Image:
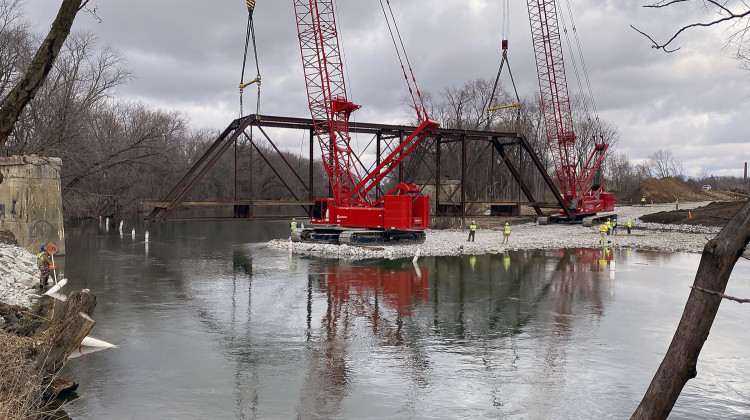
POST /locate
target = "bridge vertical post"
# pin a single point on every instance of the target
(463, 178)
(312, 172)
(251, 189)
(378, 138)
(437, 175)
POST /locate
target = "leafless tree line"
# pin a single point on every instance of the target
(117, 152)
(465, 107)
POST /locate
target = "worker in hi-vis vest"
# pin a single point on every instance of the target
(45, 266)
(609, 226)
(643, 200)
(506, 234)
(293, 225)
(629, 226)
(472, 230)
(602, 232)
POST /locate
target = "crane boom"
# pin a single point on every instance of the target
(558, 118)
(398, 212)
(326, 92)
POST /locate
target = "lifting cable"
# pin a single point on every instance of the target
(588, 98)
(419, 105)
(250, 35)
(517, 104)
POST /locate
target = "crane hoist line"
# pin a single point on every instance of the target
(351, 215)
(250, 36)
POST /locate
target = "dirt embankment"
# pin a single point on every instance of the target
(715, 214)
(668, 190)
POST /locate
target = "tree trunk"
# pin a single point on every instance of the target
(71, 323)
(23, 92)
(679, 365)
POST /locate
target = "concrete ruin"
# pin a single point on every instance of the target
(31, 201)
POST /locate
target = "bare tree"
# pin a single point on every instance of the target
(83, 77)
(14, 43)
(719, 255)
(733, 12)
(663, 164)
(680, 363)
(13, 104)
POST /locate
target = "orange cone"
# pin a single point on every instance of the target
(690, 216)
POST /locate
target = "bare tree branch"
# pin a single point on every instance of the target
(29, 84)
(721, 295)
(722, 9)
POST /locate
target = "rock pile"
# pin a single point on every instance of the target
(645, 236)
(19, 275)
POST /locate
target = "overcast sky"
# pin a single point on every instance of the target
(187, 56)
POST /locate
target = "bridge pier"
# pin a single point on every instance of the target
(31, 201)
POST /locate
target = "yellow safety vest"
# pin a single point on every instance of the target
(629, 224)
(507, 230)
(609, 224)
(472, 227)
(643, 199)
(294, 225)
(603, 228)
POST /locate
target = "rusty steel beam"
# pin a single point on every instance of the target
(283, 158)
(199, 203)
(370, 128)
(381, 132)
(550, 184)
(517, 176)
(257, 149)
(206, 162)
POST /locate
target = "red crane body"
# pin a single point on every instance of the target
(351, 205)
(558, 119)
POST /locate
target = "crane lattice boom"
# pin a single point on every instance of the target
(398, 212)
(558, 118)
(326, 91)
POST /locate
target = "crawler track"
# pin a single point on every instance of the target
(336, 235)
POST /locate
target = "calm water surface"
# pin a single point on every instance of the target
(213, 325)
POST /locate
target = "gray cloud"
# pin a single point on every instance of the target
(187, 56)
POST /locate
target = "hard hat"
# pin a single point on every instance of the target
(506, 223)
(42, 248)
(294, 218)
(473, 221)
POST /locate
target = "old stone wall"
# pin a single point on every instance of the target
(31, 201)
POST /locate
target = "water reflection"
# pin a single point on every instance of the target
(371, 299)
(215, 327)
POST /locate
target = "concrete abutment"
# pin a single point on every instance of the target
(31, 201)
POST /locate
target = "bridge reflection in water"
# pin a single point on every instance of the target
(214, 326)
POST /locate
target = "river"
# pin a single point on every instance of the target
(211, 324)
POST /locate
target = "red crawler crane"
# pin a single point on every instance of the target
(581, 198)
(351, 215)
